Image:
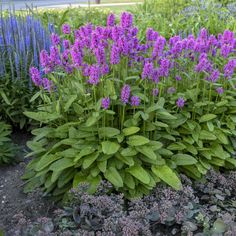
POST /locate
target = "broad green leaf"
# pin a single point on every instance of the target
(108, 132)
(79, 178)
(137, 140)
(164, 115)
(139, 173)
(113, 176)
(155, 145)
(102, 165)
(130, 130)
(61, 164)
(125, 159)
(206, 135)
(147, 151)
(65, 177)
(176, 146)
(45, 161)
(207, 117)
(110, 147)
(128, 152)
(42, 116)
(84, 152)
(88, 160)
(68, 104)
(166, 174)
(183, 159)
(129, 181)
(91, 121)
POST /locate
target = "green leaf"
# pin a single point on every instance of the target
(206, 135)
(130, 130)
(42, 116)
(5, 98)
(139, 173)
(88, 160)
(164, 115)
(102, 165)
(147, 151)
(84, 152)
(137, 140)
(110, 147)
(183, 159)
(166, 174)
(79, 178)
(45, 161)
(129, 181)
(176, 146)
(61, 164)
(113, 176)
(207, 117)
(91, 121)
(68, 104)
(108, 132)
(128, 152)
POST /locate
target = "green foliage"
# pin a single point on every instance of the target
(7, 149)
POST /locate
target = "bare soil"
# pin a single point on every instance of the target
(13, 202)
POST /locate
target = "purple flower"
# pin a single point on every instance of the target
(111, 20)
(220, 90)
(76, 57)
(55, 39)
(158, 47)
(151, 35)
(225, 50)
(164, 67)
(126, 20)
(155, 92)
(125, 94)
(100, 55)
(105, 103)
(94, 74)
(44, 58)
(135, 101)
(105, 69)
(171, 90)
(35, 76)
(47, 84)
(54, 56)
(66, 29)
(66, 44)
(214, 76)
(180, 102)
(147, 70)
(178, 78)
(229, 68)
(115, 55)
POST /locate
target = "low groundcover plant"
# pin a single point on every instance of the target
(129, 112)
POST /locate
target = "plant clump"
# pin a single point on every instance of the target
(129, 112)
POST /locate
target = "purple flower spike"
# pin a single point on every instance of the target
(111, 20)
(47, 84)
(214, 76)
(126, 20)
(44, 58)
(105, 103)
(220, 90)
(135, 101)
(125, 94)
(180, 102)
(147, 70)
(155, 92)
(35, 76)
(55, 39)
(178, 78)
(94, 74)
(66, 44)
(66, 29)
(171, 90)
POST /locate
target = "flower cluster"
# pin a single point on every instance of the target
(97, 51)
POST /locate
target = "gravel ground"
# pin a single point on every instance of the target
(12, 199)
